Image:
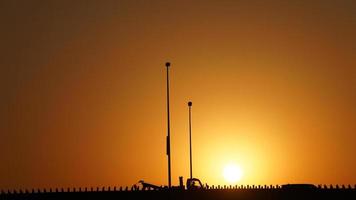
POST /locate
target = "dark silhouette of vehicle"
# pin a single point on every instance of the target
(194, 184)
(149, 186)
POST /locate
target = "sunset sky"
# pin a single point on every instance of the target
(82, 103)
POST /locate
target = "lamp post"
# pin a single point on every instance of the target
(190, 138)
(168, 129)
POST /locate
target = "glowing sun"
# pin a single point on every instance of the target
(232, 173)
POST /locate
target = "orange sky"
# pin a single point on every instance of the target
(273, 86)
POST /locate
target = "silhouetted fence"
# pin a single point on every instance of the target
(134, 188)
(225, 192)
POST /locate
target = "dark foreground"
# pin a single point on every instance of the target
(223, 194)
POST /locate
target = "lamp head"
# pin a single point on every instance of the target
(168, 64)
(190, 103)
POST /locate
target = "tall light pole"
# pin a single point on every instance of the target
(168, 129)
(190, 138)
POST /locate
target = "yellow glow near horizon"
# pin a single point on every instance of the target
(232, 173)
(84, 103)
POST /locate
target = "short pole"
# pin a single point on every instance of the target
(190, 138)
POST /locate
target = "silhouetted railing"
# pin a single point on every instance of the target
(137, 189)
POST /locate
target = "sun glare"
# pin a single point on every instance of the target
(232, 173)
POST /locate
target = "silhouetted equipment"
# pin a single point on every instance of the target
(168, 129)
(181, 184)
(149, 186)
(298, 186)
(194, 184)
(190, 138)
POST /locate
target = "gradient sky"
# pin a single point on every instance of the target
(82, 83)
